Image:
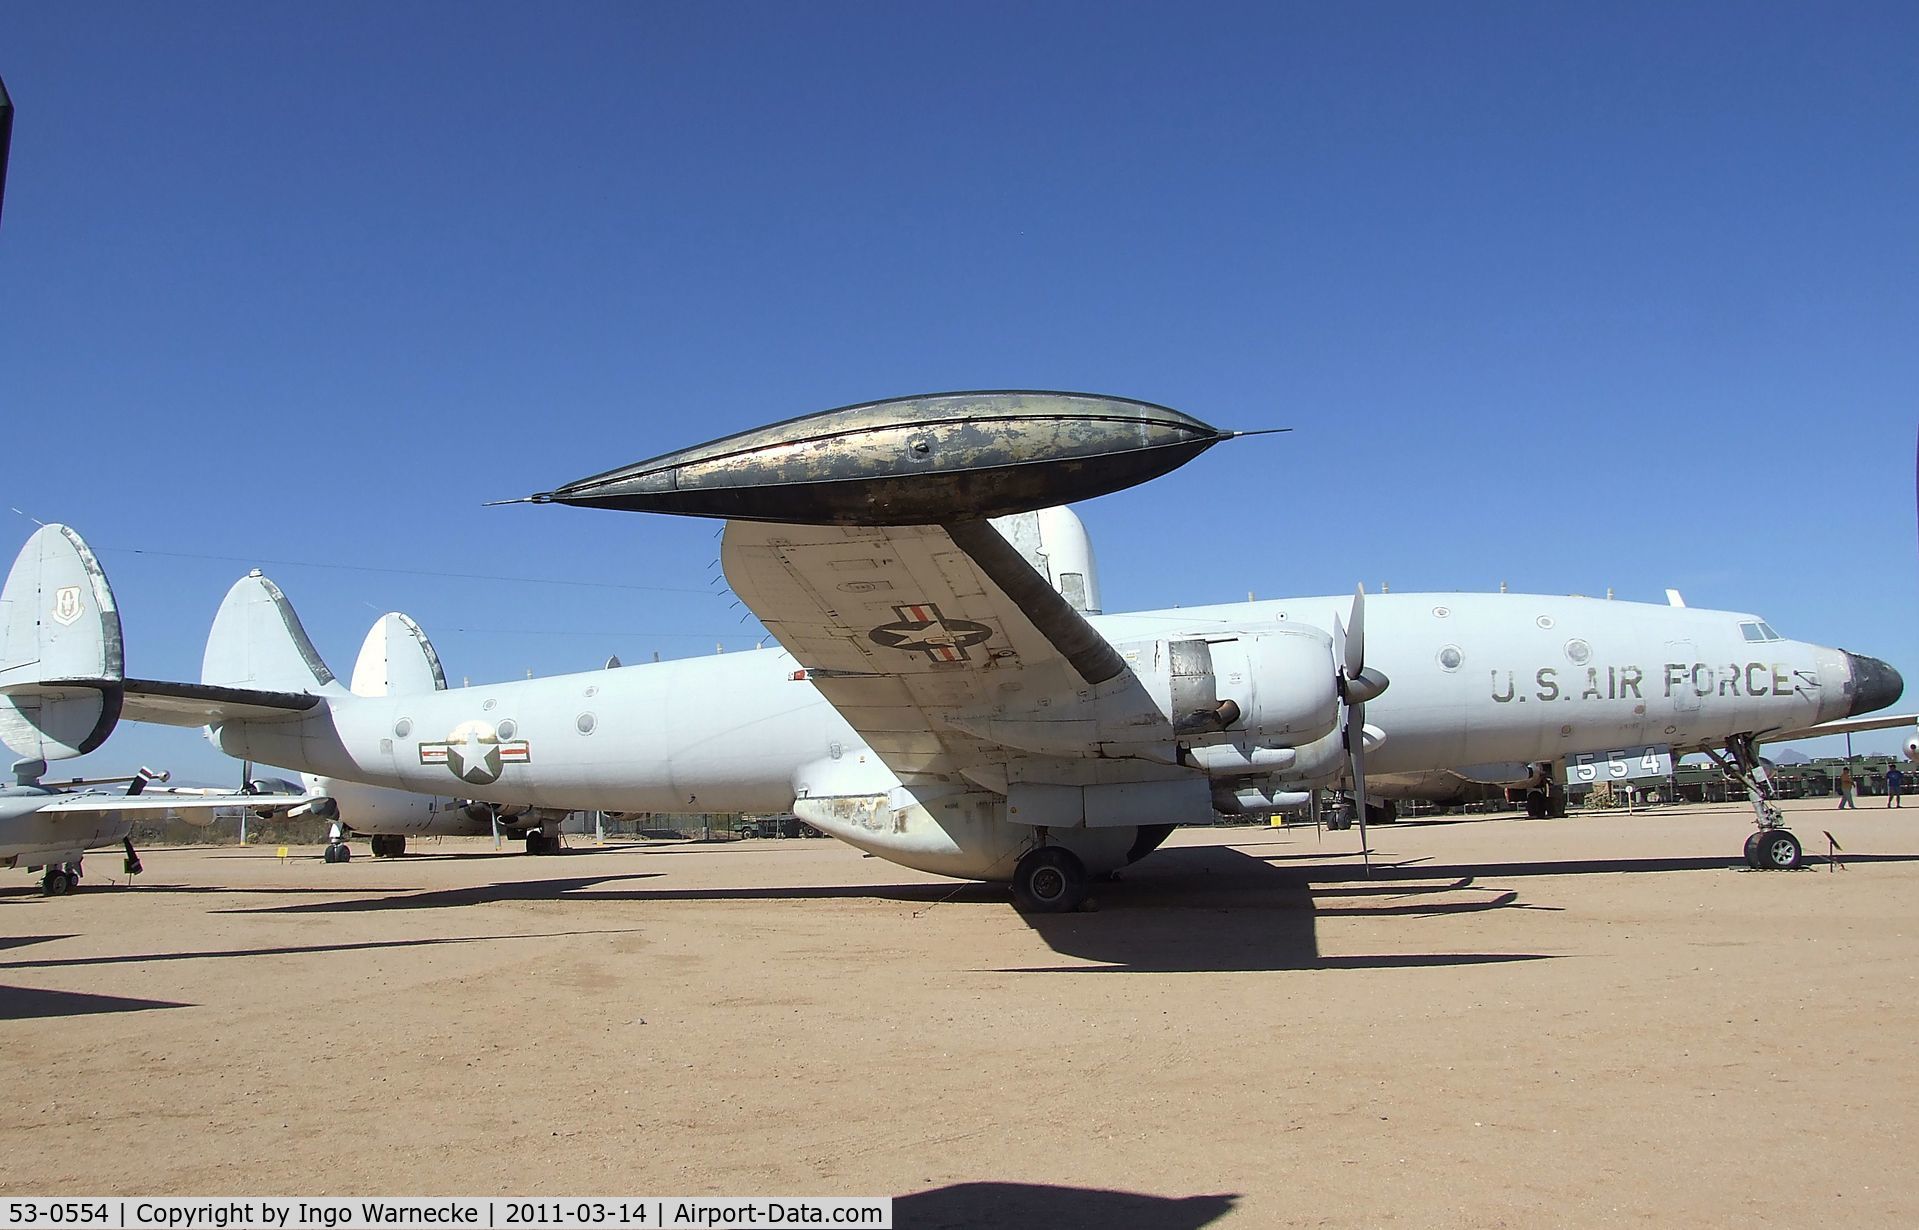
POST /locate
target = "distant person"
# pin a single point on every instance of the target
(1895, 781)
(1846, 789)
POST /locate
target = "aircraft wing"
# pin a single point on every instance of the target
(931, 640)
(1840, 726)
(159, 802)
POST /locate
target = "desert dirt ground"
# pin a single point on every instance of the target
(1604, 1020)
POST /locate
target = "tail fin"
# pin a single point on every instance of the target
(257, 642)
(61, 661)
(396, 659)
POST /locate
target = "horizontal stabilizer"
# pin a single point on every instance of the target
(396, 659)
(60, 652)
(200, 704)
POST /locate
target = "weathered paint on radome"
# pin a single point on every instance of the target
(911, 461)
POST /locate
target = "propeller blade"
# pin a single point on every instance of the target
(1356, 753)
(1354, 655)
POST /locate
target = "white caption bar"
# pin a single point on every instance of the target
(483, 1213)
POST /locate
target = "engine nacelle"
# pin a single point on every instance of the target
(1265, 689)
(1912, 748)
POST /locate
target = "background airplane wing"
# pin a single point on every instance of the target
(158, 802)
(923, 637)
(1842, 726)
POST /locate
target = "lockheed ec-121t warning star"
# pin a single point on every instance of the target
(939, 700)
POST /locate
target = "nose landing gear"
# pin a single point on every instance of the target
(1772, 847)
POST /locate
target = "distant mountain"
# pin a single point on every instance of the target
(1789, 755)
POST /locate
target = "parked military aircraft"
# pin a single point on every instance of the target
(935, 701)
(50, 828)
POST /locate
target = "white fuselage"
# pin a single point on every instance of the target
(1476, 679)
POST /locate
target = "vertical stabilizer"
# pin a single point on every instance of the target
(61, 660)
(1055, 543)
(396, 659)
(257, 642)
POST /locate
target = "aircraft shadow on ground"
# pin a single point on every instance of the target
(964, 1206)
(1416, 869)
(559, 887)
(30, 1003)
(21, 941)
(1216, 908)
(294, 950)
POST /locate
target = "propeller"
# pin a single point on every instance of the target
(1357, 684)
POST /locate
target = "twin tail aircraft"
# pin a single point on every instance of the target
(944, 696)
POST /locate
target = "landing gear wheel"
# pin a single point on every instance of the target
(1049, 880)
(55, 883)
(1536, 805)
(535, 842)
(337, 852)
(1779, 851)
(1752, 849)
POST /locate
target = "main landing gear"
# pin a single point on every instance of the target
(388, 845)
(1049, 880)
(59, 879)
(1772, 847)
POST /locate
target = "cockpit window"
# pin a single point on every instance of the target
(1758, 630)
(1770, 634)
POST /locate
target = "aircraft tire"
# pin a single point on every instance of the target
(53, 883)
(1049, 880)
(1536, 806)
(1780, 851)
(396, 845)
(535, 842)
(1752, 849)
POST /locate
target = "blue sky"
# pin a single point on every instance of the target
(1563, 296)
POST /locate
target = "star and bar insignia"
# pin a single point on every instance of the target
(475, 753)
(922, 628)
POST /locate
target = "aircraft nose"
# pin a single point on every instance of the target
(1875, 684)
